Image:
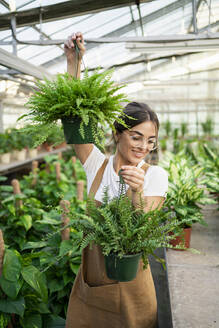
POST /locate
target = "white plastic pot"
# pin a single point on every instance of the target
(5, 158)
(32, 153)
(21, 155)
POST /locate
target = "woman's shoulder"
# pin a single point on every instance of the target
(94, 160)
(157, 170)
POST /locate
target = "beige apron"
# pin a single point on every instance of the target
(98, 302)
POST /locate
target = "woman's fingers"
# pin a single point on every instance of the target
(133, 176)
(132, 171)
(69, 44)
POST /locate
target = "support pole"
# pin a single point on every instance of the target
(14, 42)
(34, 171)
(58, 172)
(194, 8)
(73, 166)
(17, 191)
(140, 18)
(2, 251)
(47, 168)
(65, 233)
(80, 190)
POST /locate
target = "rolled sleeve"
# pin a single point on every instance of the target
(156, 182)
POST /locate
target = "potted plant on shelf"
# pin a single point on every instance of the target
(186, 195)
(125, 234)
(18, 145)
(82, 105)
(5, 149)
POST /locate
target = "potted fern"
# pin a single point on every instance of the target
(82, 105)
(125, 234)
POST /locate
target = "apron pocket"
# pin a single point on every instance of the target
(105, 297)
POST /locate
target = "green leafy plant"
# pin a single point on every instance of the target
(207, 157)
(5, 143)
(167, 128)
(59, 261)
(208, 126)
(17, 140)
(23, 292)
(183, 129)
(121, 229)
(48, 189)
(186, 194)
(93, 99)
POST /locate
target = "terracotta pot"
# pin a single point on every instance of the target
(47, 147)
(183, 239)
(61, 145)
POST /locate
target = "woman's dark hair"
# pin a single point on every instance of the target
(140, 113)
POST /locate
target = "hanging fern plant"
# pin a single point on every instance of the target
(92, 102)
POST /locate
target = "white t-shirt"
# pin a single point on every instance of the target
(155, 182)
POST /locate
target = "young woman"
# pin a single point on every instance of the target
(97, 301)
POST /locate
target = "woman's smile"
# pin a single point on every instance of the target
(139, 154)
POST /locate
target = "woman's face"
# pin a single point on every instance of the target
(134, 144)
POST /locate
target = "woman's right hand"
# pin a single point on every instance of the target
(69, 46)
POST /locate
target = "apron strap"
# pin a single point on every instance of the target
(98, 178)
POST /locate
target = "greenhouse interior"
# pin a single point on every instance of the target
(104, 223)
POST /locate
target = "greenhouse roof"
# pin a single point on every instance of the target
(152, 32)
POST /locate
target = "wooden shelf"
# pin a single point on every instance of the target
(18, 165)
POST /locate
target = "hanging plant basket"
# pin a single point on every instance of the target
(72, 134)
(122, 269)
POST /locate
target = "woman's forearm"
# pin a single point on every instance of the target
(74, 66)
(138, 199)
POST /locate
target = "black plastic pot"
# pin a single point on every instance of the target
(71, 128)
(122, 269)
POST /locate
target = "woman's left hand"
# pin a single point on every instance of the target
(134, 177)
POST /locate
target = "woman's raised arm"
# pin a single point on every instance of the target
(74, 68)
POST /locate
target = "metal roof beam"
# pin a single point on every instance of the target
(183, 47)
(62, 10)
(131, 26)
(4, 3)
(9, 60)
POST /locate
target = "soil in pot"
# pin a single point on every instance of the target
(122, 269)
(183, 239)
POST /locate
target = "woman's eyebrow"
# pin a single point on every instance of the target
(141, 134)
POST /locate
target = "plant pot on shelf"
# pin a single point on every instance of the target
(20, 155)
(72, 134)
(61, 145)
(47, 147)
(32, 153)
(183, 239)
(122, 269)
(5, 158)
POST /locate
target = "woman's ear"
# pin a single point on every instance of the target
(116, 136)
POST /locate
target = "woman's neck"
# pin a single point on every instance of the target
(118, 161)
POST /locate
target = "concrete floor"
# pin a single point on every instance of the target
(194, 278)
